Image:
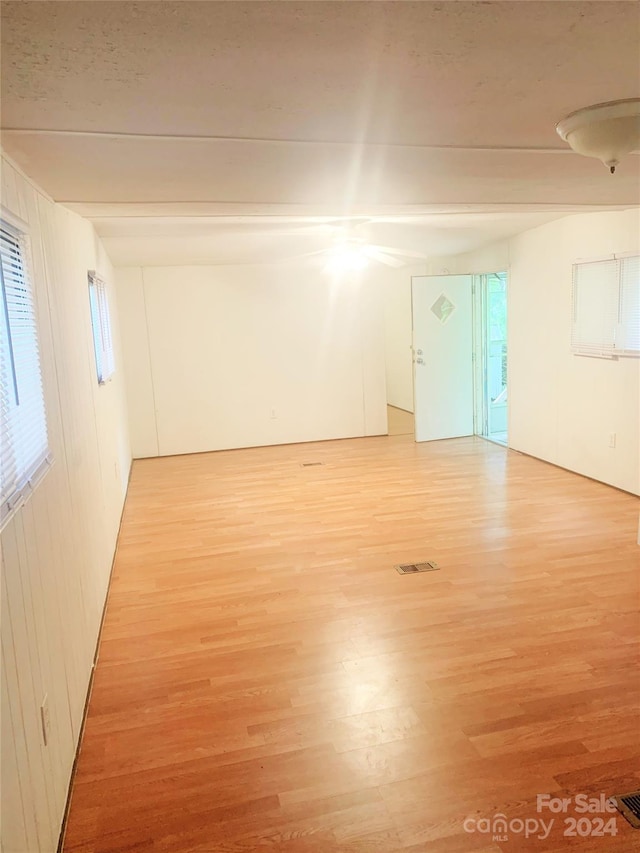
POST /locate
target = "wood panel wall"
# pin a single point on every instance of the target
(58, 548)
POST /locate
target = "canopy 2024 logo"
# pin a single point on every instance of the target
(592, 820)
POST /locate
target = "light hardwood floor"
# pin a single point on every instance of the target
(267, 681)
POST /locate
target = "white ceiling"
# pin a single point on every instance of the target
(137, 113)
(151, 241)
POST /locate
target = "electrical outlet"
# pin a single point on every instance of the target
(273, 414)
(612, 439)
(45, 720)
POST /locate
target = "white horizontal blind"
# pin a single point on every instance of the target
(24, 451)
(628, 342)
(595, 308)
(101, 326)
(606, 307)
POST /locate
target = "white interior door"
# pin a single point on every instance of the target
(442, 355)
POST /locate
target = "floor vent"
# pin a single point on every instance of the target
(311, 464)
(629, 806)
(413, 568)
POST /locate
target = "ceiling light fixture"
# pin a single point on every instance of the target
(606, 131)
(346, 258)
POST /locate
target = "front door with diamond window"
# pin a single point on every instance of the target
(442, 355)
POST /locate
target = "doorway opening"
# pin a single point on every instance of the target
(490, 356)
(398, 353)
(399, 421)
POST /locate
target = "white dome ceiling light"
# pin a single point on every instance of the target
(606, 131)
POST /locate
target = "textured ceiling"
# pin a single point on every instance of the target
(425, 73)
(315, 107)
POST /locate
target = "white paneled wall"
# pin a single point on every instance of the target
(221, 357)
(58, 548)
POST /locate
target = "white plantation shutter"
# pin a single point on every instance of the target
(24, 451)
(101, 325)
(606, 307)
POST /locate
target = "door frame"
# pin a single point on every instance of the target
(480, 354)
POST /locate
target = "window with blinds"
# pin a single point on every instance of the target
(24, 449)
(606, 308)
(101, 325)
(629, 320)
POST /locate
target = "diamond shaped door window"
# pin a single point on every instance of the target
(443, 308)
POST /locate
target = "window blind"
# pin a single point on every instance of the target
(24, 451)
(606, 307)
(629, 325)
(101, 326)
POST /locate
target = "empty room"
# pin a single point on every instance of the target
(320, 426)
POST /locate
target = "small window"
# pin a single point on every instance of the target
(24, 449)
(606, 308)
(101, 324)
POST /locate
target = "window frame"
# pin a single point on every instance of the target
(26, 478)
(616, 317)
(101, 333)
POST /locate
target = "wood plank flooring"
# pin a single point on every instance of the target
(267, 681)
